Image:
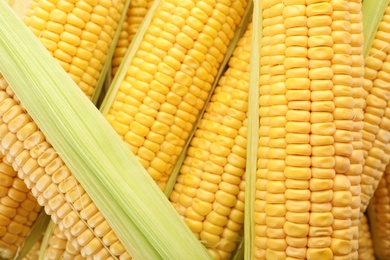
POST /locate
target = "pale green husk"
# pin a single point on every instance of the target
(373, 11)
(35, 234)
(46, 240)
(253, 130)
(138, 212)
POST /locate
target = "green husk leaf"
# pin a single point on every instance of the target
(373, 11)
(253, 130)
(239, 252)
(46, 239)
(35, 234)
(138, 212)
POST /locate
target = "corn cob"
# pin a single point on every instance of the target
(376, 126)
(304, 197)
(366, 248)
(78, 34)
(344, 114)
(276, 106)
(154, 107)
(355, 128)
(18, 211)
(209, 192)
(134, 16)
(356, 158)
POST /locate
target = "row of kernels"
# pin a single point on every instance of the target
(298, 149)
(275, 201)
(222, 227)
(357, 72)
(260, 229)
(320, 73)
(228, 192)
(344, 116)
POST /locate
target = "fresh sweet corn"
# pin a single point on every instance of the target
(209, 192)
(304, 200)
(356, 158)
(78, 34)
(169, 79)
(134, 17)
(116, 180)
(310, 148)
